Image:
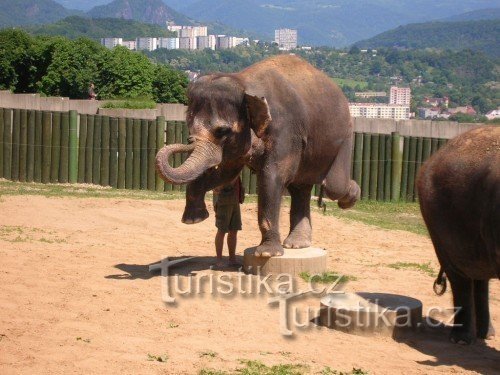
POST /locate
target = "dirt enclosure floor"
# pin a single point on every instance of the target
(76, 296)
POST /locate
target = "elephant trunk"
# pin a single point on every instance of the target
(203, 155)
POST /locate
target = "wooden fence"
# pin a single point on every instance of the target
(64, 147)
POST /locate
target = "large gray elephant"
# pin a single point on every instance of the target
(459, 194)
(284, 119)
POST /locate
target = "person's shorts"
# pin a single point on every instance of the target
(228, 217)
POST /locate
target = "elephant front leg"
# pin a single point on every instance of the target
(338, 184)
(270, 191)
(300, 217)
(484, 328)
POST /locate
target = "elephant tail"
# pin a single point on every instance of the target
(440, 283)
(321, 204)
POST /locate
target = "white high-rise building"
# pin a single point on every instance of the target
(146, 44)
(286, 39)
(111, 42)
(187, 43)
(377, 110)
(400, 95)
(168, 43)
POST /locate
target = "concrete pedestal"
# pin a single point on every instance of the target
(292, 262)
(369, 313)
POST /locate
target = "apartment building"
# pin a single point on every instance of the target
(286, 39)
(168, 43)
(400, 95)
(204, 42)
(111, 42)
(146, 44)
(187, 43)
(376, 110)
(130, 44)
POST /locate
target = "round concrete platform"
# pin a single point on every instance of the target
(368, 313)
(292, 262)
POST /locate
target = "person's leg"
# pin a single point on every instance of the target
(232, 238)
(219, 245)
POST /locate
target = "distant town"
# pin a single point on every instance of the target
(197, 38)
(398, 106)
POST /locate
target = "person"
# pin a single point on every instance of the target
(227, 199)
(92, 94)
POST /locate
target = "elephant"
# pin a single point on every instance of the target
(285, 120)
(459, 195)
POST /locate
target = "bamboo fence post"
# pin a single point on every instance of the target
(136, 182)
(412, 166)
(89, 153)
(96, 158)
(38, 147)
(113, 153)
(374, 166)
(365, 183)
(30, 158)
(122, 152)
(388, 168)
(73, 147)
(105, 138)
(55, 154)
(129, 157)
(151, 152)
(46, 146)
(358, 158)
(144, 154)
(82, 147)
(16, 135)
(396, 166)
(404, 172)
(1, 141)
(381, 168)
(23, 146)
(160, 142)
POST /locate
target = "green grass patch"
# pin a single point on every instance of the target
(130, 104)
(81, 191)
(351, 83)
(423, 267)
(387, 215)
(259, 368)
(326, 277)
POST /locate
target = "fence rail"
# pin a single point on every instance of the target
(62, 147)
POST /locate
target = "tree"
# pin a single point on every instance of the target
(169, 86)
(16, 62)
(125, 74)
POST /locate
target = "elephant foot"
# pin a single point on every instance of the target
(296, 240)
(352, 196)
(194, 216)
(269, 249)
(488, 335)
(461, 337)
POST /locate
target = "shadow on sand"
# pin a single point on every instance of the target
(197, 264)
(433, 341)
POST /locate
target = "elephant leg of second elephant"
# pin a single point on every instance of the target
(338, 185)
(484, 328)
(463, 325)
(270, 191)
(300, 217)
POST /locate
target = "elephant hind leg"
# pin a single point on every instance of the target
(338, 184)
(484, 328)
(300, 217)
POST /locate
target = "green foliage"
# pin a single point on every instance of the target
(131, 104)
(326, 277)
(480, 35)
(169, 86)
(76, 27)
(56, 66)
(125, 75)
(423, 267)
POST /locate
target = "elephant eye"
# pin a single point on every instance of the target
(222, 131)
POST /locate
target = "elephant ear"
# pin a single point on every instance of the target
(258, 114)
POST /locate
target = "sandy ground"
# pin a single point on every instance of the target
(76, 296)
